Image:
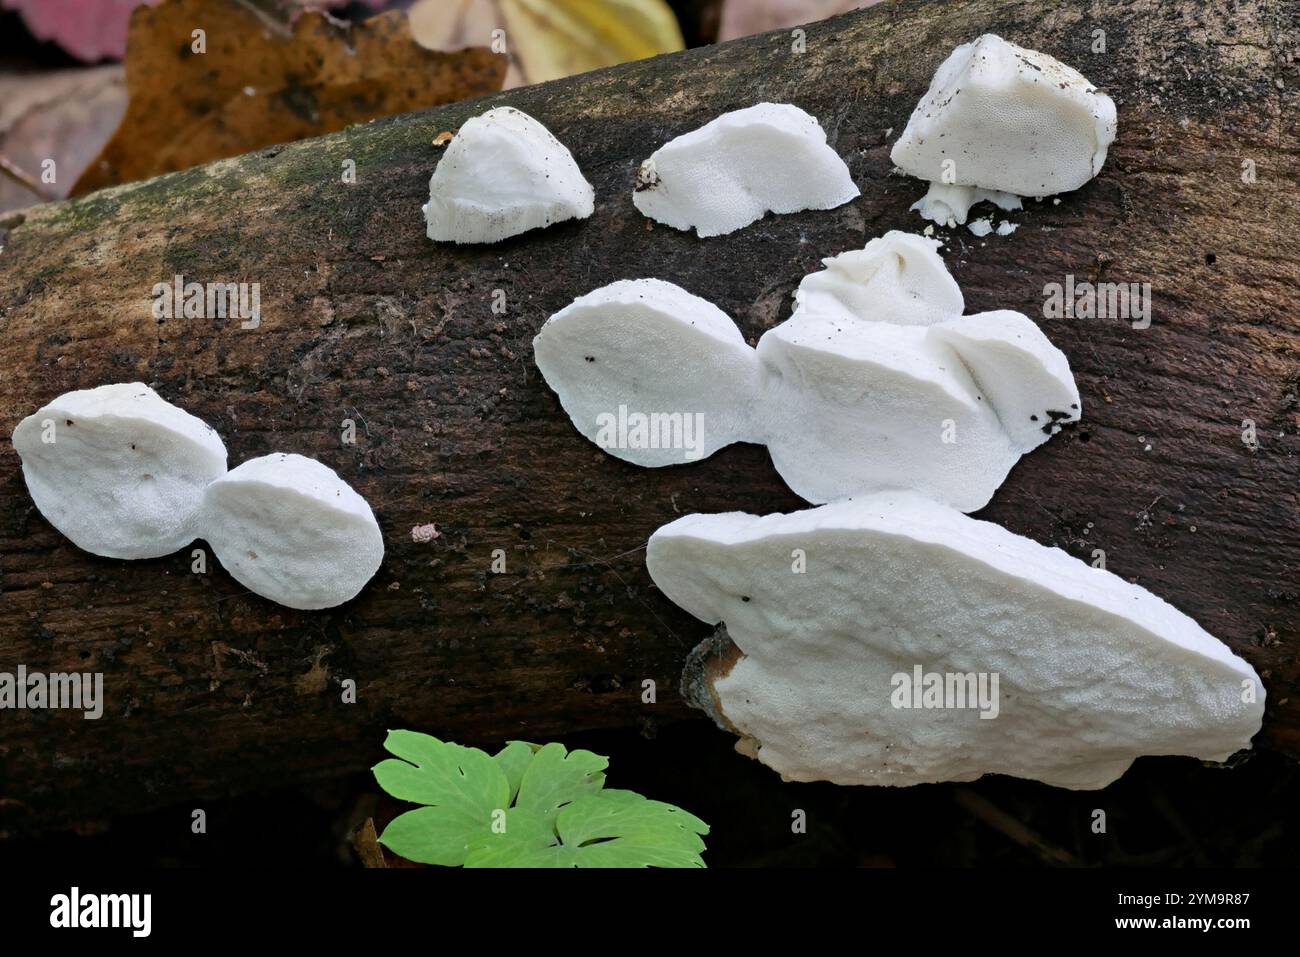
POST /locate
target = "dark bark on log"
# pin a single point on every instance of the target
(212, 690)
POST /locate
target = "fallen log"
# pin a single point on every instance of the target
(211, 690)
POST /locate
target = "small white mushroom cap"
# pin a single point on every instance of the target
(504, 174)
(118, 469)
(876, 381)
(654, 349)
(289, 529)
(729, 173)
(1091, 671)
(1008, 119)
(897, 278)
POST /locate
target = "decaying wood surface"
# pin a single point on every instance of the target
(211, 690)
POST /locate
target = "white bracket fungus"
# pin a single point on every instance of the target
(504, 174)
(650, 348)
(125, 474)
(119, 470)
(919, 645)
(289, 529)
(1000, 122)
(876, 381)
(729, 173)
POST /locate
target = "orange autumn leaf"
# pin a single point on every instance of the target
(209, 79)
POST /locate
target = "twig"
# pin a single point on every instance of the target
(20, 176)
(1009, 827)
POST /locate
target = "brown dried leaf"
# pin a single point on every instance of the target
(64, 116)
(366, 842)
(260, 83)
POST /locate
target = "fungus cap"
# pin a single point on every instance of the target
(1000, 122)
(647, 348)
(772, 157)
(1008, 119)
(504, 174)
(289, 529)
(897, 278)
(119, 470)
(1091, 670)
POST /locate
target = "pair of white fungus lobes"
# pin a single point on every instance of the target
(732, 171)
(835, 678)
(504, 174)
(876, 381)
(1000, 122)
(123, 473)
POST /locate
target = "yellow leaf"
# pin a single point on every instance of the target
(549, 39)
(555, 38)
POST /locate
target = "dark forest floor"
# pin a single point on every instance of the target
(1163, 812)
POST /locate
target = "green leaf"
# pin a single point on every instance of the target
(601, 829)
(514, 759)
(557, 776)
(431, 835)
(462, 786)
(527, 841)
(561, 814)
(624, 829)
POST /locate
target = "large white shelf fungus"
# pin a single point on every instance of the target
(118, 469)
(876, 381)
(1091, 671)
(729, 173)
(289, 529)
(504, 174)
(1000, 122)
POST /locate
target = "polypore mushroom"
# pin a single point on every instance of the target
(504, 174)
(119, 470)
(906, 391)
(289, 529)
(1000, 122)
(772, 157)
(891, 640)
(639, 364)
(876, 381)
